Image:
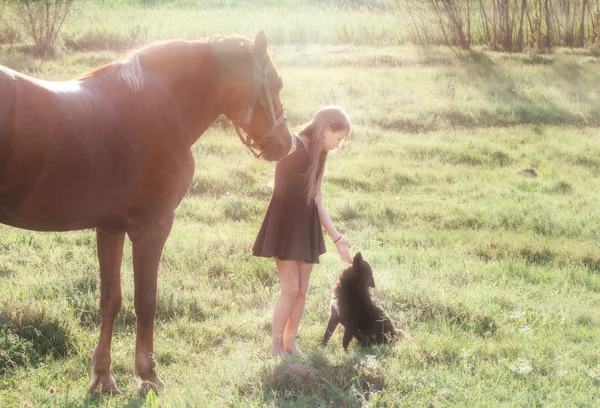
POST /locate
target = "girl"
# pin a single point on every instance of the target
(291, 231)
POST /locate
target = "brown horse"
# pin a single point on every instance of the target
(111, 151)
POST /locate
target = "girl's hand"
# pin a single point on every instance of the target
(343, 247)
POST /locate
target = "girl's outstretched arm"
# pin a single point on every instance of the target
(341, 243)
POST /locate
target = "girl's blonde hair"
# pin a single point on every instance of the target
(332, 117)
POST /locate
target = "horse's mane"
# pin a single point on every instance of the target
(228, 41)
(131, 71)
(101, 71)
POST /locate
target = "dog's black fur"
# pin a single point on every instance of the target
(352, 306)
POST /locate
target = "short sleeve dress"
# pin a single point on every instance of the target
(291, 229)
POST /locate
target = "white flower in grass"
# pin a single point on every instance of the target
(523, 367)
(561, 372)
(595, 375)
(517, 315)
(526, 330)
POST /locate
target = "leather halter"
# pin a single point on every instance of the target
(261, 74)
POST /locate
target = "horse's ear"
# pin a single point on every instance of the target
(260, 45)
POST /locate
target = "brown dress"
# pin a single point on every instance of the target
(291, 229)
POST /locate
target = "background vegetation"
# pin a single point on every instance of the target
(509, 25)
(470, 184)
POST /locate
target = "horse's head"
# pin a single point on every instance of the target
(252, 102)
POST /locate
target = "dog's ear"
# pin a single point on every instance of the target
(357, 259)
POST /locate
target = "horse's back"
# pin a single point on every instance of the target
(80, 153)
(53, 152)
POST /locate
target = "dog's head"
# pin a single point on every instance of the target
(361, 271)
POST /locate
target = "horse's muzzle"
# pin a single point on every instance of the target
(281, 145)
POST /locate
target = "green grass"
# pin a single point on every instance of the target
(492, 273)
(121, 24)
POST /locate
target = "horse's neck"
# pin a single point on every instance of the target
(188, 74)
(198, 100)
(194, 84)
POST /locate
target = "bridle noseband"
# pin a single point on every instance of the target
(261, 74)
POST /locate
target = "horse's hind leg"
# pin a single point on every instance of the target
(110, 254)
(148, 241)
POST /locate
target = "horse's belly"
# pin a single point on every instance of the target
(29, 222)
(52, 212)
(54, 198)
(81, 201)
(64, 186)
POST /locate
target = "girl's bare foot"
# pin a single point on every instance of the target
(277, 348)
(294, 351)
(279, 352)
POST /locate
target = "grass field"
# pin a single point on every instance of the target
(471, 184)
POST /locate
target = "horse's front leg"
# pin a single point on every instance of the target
(148, 242)
(110, 255)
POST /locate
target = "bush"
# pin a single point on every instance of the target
(504, 24)
(15, 352)
(43, 20)
(46, 334)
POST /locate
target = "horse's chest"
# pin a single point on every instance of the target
(168, 176)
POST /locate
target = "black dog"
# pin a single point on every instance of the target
(352, 306)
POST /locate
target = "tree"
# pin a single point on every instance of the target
(43, 20)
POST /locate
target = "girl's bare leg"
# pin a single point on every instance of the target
(289, 278)
(291, 328)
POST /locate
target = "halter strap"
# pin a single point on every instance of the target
(245, 115)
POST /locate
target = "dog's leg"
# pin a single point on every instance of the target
(334, 319)
(349, 332)
(389, 331)
(378, 331)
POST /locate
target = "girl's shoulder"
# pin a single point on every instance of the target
(303, 142)
(301, 151)
(302, 147)
(297, 160)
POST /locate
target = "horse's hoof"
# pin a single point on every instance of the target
(154, 383)
(105, 384)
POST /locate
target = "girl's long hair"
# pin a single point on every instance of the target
(332, 117)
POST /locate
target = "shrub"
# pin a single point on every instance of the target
(46, 334)
(43, 20)
(15, 352)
